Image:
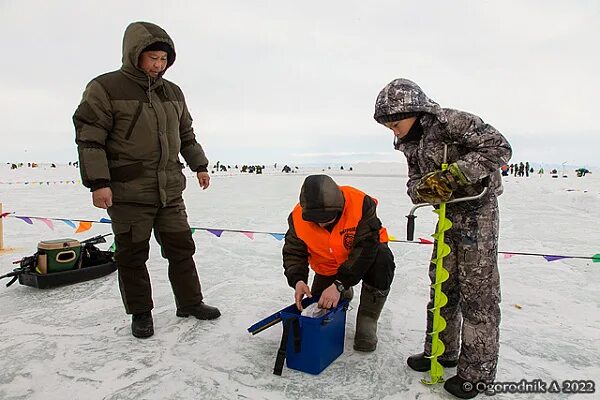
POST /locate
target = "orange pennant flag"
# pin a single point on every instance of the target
(83, 226)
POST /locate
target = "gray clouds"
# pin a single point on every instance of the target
(268, 80)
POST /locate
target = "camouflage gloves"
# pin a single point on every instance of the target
(437, 186)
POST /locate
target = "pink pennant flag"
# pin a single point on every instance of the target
(83, 226)
(47, 222)
(425, 241)
(250, 235)
(508, 255)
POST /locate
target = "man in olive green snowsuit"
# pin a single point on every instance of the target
(131, 126)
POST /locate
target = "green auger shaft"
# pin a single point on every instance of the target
(440, 299)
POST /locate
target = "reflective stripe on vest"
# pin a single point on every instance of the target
(327, 251)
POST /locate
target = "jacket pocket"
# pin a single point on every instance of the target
(126, 172)
(134, 120)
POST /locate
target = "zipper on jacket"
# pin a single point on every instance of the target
(136, 116)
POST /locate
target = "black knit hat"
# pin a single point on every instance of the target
(320, 198)
(383, 119)
(162, 46)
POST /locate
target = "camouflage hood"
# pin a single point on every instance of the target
(320, 198)
(137, 37)
(402, 96)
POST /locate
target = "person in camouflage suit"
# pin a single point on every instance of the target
(131, 126)
(474, 151)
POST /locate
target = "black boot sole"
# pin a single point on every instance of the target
(364, 348)
(425, 368)
(455, 386)
(143, 335)
(184, 314)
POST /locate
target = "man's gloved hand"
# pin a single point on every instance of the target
(437, 186)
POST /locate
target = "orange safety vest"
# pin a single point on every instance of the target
(327, 251)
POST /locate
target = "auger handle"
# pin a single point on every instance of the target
(410, 227)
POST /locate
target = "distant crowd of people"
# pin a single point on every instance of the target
(521, 169)
(37, 165)
(258, 169)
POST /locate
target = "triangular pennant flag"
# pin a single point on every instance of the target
(83, 226)
(193, 230)
(4, 214)
(68, 222)
(554, 258)
(596, 258)
(26, 219)
(278, 236)
(250, 235)
(508, 255)
(113, 247)
(216, 232)
(391, 237)
(47, 222)
(425, 241)
(105, 221)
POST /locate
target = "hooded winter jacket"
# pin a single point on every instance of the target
(130, 128)
(348, 249)
(478, 148)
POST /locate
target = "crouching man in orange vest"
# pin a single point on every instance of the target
(335, 230)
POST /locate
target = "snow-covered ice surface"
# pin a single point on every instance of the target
(74, 342)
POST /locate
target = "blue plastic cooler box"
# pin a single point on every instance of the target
(322, 339)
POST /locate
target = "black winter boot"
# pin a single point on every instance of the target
(457, 386)
(369, 310)
(141, 325)
(420, 363)
(200, 311)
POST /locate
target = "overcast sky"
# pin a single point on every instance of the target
(296, 81)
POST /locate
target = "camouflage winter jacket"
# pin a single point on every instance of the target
(130, 128)
(478, 148)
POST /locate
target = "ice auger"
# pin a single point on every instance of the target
(436, 371)
(439, 298)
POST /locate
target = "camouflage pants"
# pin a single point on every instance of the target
(132, 225)
(473, 291)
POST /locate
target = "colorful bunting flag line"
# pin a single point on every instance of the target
(69, 182)
(85, 225)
